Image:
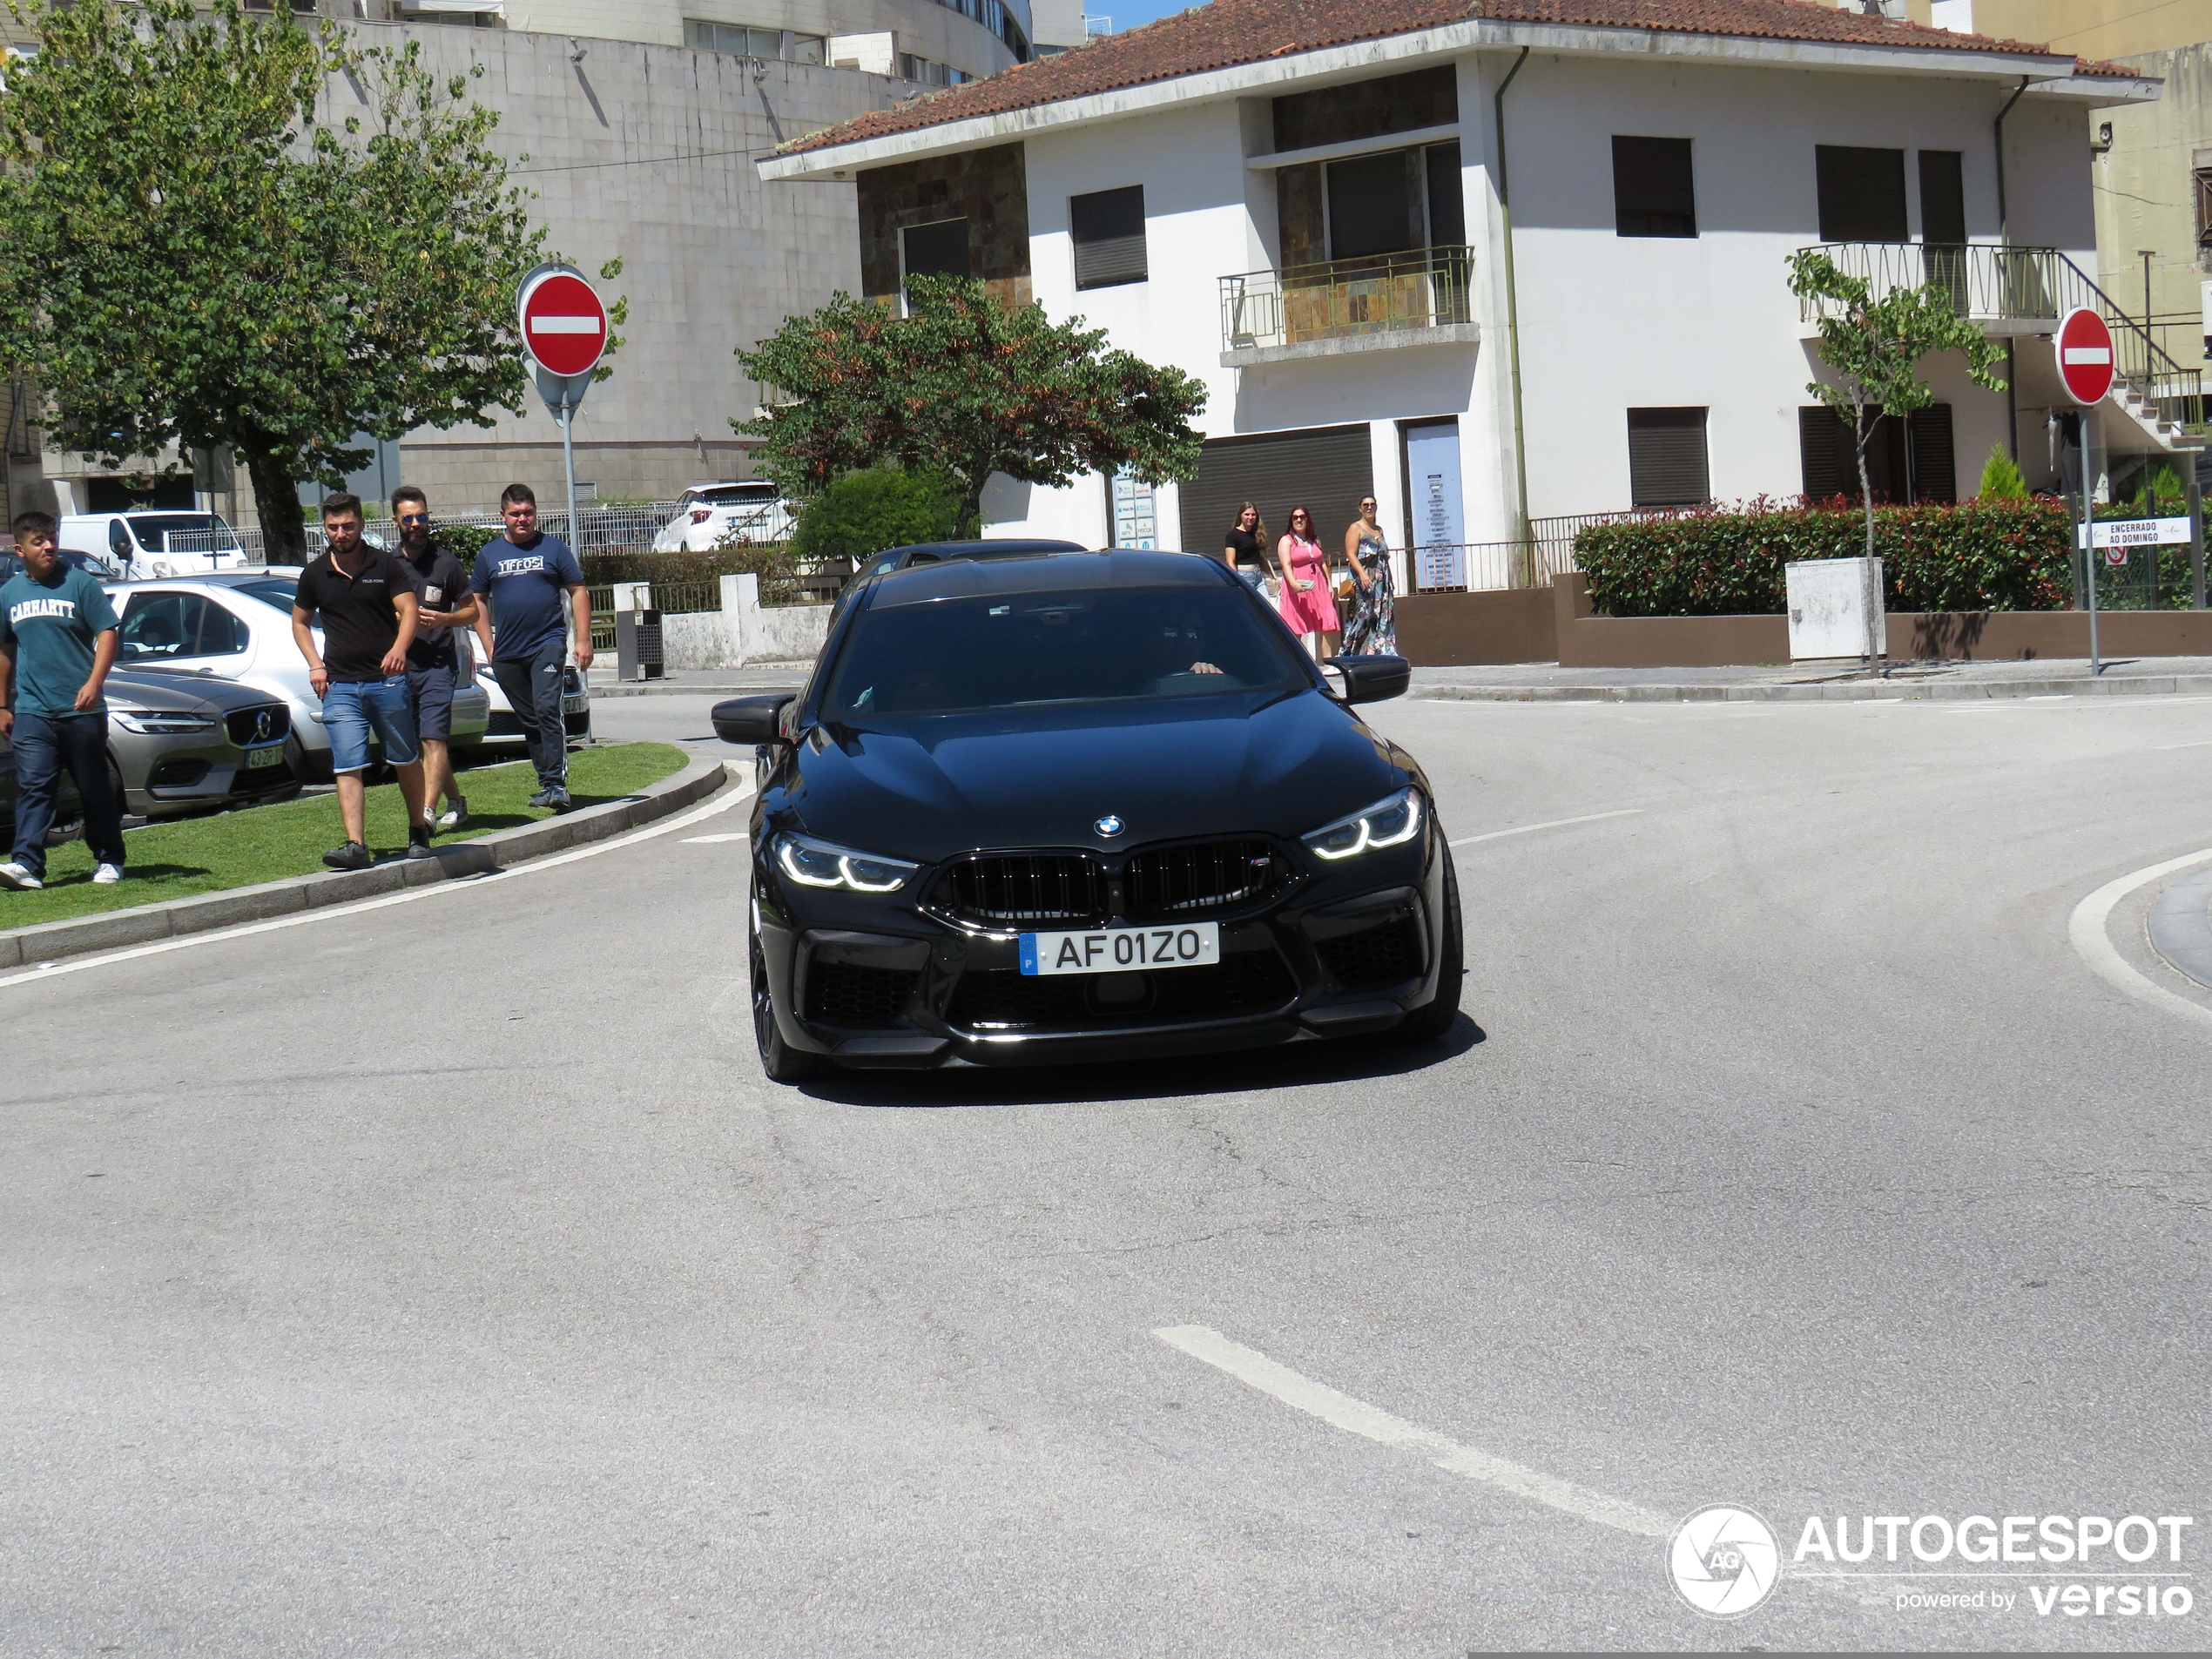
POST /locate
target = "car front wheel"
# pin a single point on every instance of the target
(782, 1064)
(1430, 1020)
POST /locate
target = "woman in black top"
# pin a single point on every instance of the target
(1245, 547)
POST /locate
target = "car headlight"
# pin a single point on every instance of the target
(1392, 821)
(154, 723)
(820, 864)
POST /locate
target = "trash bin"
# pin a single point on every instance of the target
(638, 655)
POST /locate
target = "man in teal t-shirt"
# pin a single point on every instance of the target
(58, 641)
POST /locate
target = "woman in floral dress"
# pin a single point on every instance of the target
(1373, 630)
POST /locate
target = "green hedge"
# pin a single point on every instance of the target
(1977, 556)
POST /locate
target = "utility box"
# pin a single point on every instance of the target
(1828, 608)
(638, 653)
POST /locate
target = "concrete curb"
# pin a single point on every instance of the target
(1850, 692)
(174, 918)
(793, 676)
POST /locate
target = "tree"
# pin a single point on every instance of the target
(1874, 347)
(2000, 477)
(860, 513)
(968, 383)
(188, 255)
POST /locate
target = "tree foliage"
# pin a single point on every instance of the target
(864, 512)
(968, 383)
(2001, 478)
(189, 255)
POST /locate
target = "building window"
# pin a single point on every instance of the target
(1914, 461)
(925, 71)
(1862, 193)
(1667, 461)
(1108, 227)
(2202, 191)
(1396, 201)
(744, 40)
(1652, 192)
(938, 249)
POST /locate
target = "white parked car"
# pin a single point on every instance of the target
(709, 515)
(238, 626)
(139, 545)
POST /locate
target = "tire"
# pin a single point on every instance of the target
(115, 783)
(782, 1064)
(1429, 1024)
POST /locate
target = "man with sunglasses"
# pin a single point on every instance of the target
(443, 603)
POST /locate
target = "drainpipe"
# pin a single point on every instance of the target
(2004, 239)
(1513, 314)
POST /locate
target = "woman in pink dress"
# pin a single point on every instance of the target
(1305, 600)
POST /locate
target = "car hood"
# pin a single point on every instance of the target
(180, 692)
(928, 788)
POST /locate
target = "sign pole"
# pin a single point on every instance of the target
(2196, 535)
(2089, 519)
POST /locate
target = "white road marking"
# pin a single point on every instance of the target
(2087, 929)
(1357, 1416)
(714, 840)
(1556, 823)
(2205, 744)
(721, 803)
(2049, 696)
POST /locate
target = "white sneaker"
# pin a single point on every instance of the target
(107, 875)
(13, 874)
(456, 814)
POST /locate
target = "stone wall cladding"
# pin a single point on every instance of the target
(989, 188)
(1428, 98)
(1297, 209)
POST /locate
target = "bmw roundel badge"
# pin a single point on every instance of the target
(1109, 826)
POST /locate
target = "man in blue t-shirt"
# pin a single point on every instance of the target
(57, 642)
(526, 575)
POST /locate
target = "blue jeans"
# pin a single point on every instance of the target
(44, 744)
(533, 688)
(350, 707)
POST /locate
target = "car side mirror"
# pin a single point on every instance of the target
(1367, 679)
(752, 719)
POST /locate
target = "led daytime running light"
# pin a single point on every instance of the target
(1408, 799)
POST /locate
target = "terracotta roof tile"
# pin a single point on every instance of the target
(1228, 32)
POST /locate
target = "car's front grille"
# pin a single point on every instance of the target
(502, 723)
(270, 723)
(1170, 882)
(852, 994)
(994, 889)
(1005, 999)
(1375, 956)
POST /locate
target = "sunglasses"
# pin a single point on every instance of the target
(414, 518)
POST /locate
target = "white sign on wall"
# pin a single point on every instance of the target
(2132, 532)
(1432, 469)
(1137, 519)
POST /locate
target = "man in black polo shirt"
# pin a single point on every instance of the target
(367, 603)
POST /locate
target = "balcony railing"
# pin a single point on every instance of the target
(2013, 289)
(1342, 299)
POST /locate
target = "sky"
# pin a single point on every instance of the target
(1127, 14)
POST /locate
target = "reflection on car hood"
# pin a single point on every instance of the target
(179, 692)
(928, 788)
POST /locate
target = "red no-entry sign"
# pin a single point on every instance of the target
(564, 327)
(2085, 355)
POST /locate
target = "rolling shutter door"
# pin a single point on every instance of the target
(1831, 468)
(1325, 469)
(1935, 464)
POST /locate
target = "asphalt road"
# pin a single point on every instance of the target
(443, 1278)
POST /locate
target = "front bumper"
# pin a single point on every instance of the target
(918, 992)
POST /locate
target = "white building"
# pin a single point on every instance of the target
(1305, 204)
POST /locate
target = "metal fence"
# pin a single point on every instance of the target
(1424, 289)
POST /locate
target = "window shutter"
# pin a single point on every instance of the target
(1653, 191)
(936, 250)
(1824, 445)
(1861, 192)
(1935, 465)
(1667, 460)
(1108, 229)
(1324, 469)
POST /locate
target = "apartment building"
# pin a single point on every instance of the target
(1521, 265)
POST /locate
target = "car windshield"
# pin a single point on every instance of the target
(1012, 651)
(270, 590)
(183, 533)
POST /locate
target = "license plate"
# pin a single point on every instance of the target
(272, 756)
(1122, 950)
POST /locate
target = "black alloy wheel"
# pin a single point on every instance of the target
(782, 1064)
(1430, 1022)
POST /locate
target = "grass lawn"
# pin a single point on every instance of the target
(178, 858)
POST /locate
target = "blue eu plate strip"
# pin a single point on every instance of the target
(1028, 953)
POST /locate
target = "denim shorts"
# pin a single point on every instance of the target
(350, 707)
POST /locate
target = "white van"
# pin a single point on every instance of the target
(141, 545)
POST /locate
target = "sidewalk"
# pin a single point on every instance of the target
(701, 682)
(1812, 683)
